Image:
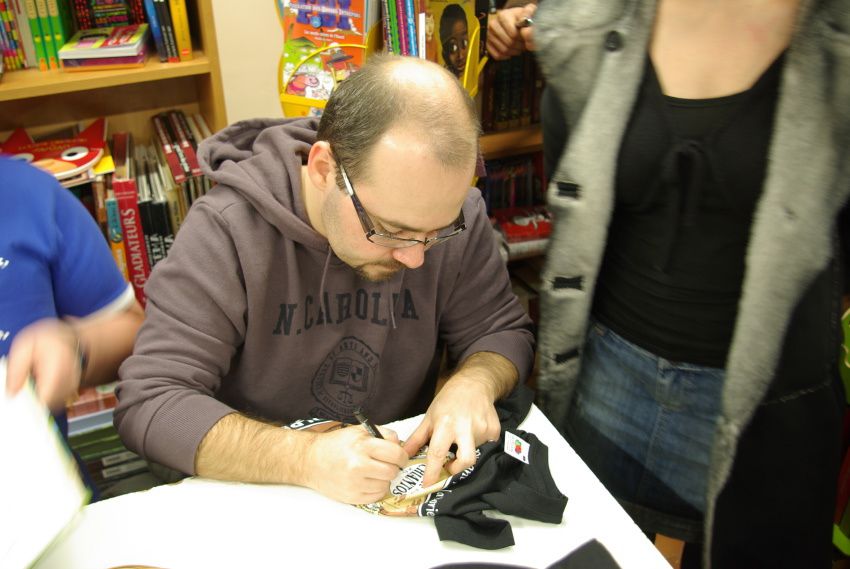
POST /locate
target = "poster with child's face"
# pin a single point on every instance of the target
(453, 21)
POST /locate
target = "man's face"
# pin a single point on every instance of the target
(408, 194)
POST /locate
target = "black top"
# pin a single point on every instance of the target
(690, 173)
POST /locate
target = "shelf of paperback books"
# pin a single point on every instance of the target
(512, 142)
(34, 83)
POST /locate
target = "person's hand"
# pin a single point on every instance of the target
(352, 466)
(462, 413)
(47, 350)
(504, 38)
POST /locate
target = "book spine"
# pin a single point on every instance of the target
(114, 234)
(161, 226)
(113, 459)
(421, 19)
(164, 17)
(59, 23)
(180, 24)
(10, 27)
(165, 143)
(392, 24)
(202, 126)
(6, 46)
(50, 49)
(131, 229)
(118, 470)
(412, 37)
(151, 244)
(401, 26)
(25, 32)
(137, 12)
(516, 87)
(386, 26)
(156, 30)
(37, 35)
(98, 188)
(182, 136)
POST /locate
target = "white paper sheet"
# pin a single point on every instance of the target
(40, 487)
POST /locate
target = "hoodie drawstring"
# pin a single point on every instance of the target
(390, 303)
(322, 283)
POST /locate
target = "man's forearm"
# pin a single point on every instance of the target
(246, 450)
(493, 370)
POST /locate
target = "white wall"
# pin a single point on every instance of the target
(250, 41)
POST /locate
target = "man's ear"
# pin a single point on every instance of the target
(321, 166)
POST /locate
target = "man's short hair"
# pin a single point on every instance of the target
(375, 99)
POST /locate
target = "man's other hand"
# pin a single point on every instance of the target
(462, 413)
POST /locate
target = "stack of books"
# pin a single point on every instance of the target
(105, 48)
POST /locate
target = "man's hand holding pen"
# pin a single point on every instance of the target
(511, 31)
(353, 466)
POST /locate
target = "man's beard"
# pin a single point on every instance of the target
(391, 269)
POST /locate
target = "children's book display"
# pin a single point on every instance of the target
(324, 42)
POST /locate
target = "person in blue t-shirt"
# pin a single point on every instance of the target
(67, 316)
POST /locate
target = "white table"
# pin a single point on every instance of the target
(207, 524)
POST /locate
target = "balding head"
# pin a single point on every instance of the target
(391, 92)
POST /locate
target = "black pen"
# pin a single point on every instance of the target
(367, 424)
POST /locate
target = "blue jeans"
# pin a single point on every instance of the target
(644, 425)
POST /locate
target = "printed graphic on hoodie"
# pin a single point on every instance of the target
(345, 379)
(298, 318)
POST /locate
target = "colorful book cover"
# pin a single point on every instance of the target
(315, 54)
(110, 42)
(454, 21)
(64, 157)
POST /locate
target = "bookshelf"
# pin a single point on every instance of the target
(41, 101)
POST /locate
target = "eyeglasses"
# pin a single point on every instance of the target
(387, 240)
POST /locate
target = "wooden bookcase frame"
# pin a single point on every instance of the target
(43, 101)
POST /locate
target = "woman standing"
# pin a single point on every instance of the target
(689, 334)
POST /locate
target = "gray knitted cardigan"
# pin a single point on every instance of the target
(592, 53)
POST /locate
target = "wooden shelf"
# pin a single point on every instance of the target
(33, 83)
(512, 142)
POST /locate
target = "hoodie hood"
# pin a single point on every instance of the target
(261, 160)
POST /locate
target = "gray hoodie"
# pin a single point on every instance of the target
(253, 312)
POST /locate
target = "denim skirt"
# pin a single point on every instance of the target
(644, 425)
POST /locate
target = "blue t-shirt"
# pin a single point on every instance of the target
(54, 261)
